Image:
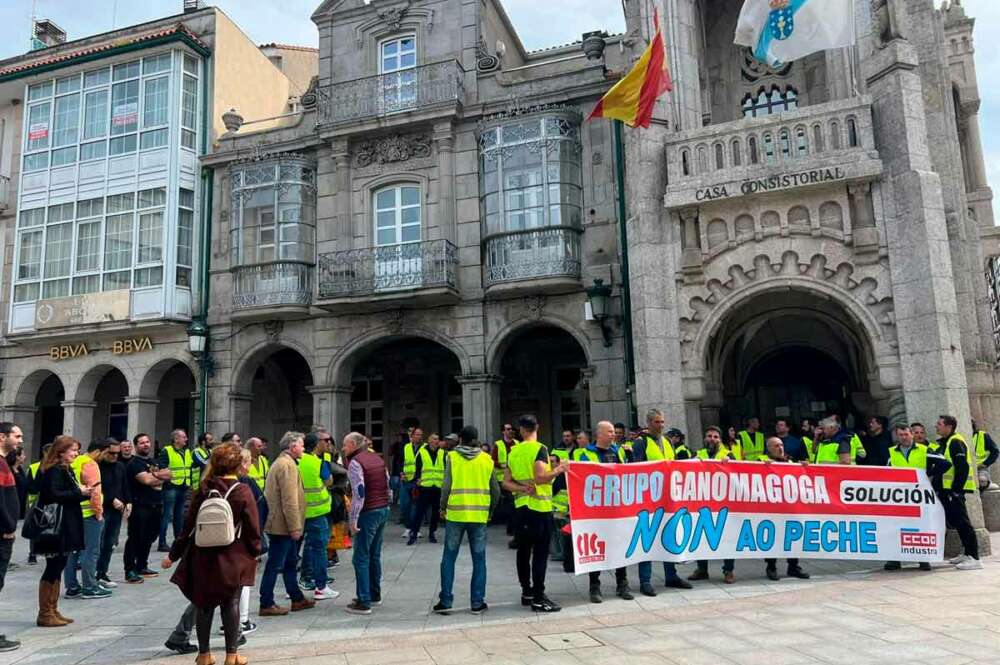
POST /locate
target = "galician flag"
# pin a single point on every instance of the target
(780, 31)
(631, 100)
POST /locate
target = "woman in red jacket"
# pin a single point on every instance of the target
(214, 576)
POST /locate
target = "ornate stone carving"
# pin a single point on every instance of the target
(393, 16)
(753, 69)
(485, 61)
(398, 148)
(273, 329)
(394, 320)
(889, 21)
(535, 305)
(310, 97)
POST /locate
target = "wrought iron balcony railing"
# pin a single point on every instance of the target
(533, 254)
(273, 285)
(382, 270)
(385, 94)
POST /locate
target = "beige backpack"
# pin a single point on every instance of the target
(214, 525)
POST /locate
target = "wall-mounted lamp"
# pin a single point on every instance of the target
(197, 333)
(599, 299)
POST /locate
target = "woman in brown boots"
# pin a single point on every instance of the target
(57, 485)
(213, 577)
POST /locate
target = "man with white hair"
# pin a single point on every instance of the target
(370, 499)
(835, 448)
(286, 516)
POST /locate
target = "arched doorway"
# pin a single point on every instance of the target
(279, 396)
(404, 382)
(171, 385)
(544, 372)
(49, 412)
(789, 354)
(110, 417)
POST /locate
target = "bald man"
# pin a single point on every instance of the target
(775, 453)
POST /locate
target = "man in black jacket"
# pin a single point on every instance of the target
(10, 438)
(956, 483)
(117, 506)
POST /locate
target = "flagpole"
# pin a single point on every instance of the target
(626, 287)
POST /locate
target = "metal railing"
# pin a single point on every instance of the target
(533, 254)
(376, 270)
(381, 95)
(272, 284)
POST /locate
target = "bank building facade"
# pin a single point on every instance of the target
(413, 223)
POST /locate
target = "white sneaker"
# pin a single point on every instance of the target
(958, 559)
(970, 564)
(405, 534)
(325, 594)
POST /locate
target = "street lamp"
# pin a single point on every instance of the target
(599, 298)
(197, 338)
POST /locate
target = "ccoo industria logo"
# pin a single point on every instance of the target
(914, 541)
(590, 548)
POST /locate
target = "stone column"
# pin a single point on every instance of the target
(691, 241)
(444, 140)
(341, 230)
(926, 306)
(239, 412)
(974, 147)
(681, 30)
(340, 410)
(863, 230)
(24, 417)
(78, 420)
(481, 403)
(142, 414)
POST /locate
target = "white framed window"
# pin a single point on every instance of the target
(397, 215)
(185, 237)
(397, 67)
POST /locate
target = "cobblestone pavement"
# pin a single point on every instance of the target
(848, 613)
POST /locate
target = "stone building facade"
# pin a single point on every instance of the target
(415, 246)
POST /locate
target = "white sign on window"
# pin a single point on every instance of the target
(125, 114)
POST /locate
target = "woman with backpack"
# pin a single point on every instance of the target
(218, 551)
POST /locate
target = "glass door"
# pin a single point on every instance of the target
(398, 260)
(398, 69)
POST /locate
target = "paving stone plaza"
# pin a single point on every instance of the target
(849, 612)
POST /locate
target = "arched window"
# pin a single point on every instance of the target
(702, 159)
(685, 162)
(737, 153)
(719, 157)
(786, 144)
(852, 133)
(818, 143)
(769, 156)
(835, 135)
(801, 142)
(752, 143)
(768, 102)
(397, 214)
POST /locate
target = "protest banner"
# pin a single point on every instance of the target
(679, 511)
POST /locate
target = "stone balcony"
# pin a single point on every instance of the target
(533, 260)
(279, 289)
(377, 277)
(813, 145)
(397, 98)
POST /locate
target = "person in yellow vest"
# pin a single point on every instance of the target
(33, 497)
(986, 455)
(956, 482)
(714, 450)
(468, 493)
(679, 442)
(776, 454)
(807, 432)
(177, 492)
(259, 464)
(316, 479)
(836, 446)
(654, 445)
(88, 474)
(907, 453)
(407, 483)
(202, 452)
(607, 451)
(751, 439)
(529, 477)
(428, 476)
(562, 451)
(501, 449)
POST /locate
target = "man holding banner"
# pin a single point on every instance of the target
(714, 450)
(776, 453)
(607, 451)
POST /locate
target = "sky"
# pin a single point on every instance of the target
(539, 24)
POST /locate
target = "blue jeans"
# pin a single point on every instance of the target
(174, 501)
(453, 532)
(646, 572)
(280, 559)
(88, 558)
(112, 527)
(367, 557)
(316, 535)
(405, 502)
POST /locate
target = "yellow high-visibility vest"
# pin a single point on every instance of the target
(77, 467)
(317, 498)
(469, 497)
(431, 470)
(180, 466)
(258, 471)
(521, 462)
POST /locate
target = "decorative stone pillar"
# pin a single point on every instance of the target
(863, 231)
(930, 347)
(481, 402)
(142, 414)
(325, 405)
(340, 410)
(24, 417)
(974, 146)
(239, 412)
(341, 196)
(445, 141)
(690, 241)
(78, 420)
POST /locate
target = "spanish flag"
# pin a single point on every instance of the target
(631, 100)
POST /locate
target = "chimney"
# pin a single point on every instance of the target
(192, 6)
(47, 34)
